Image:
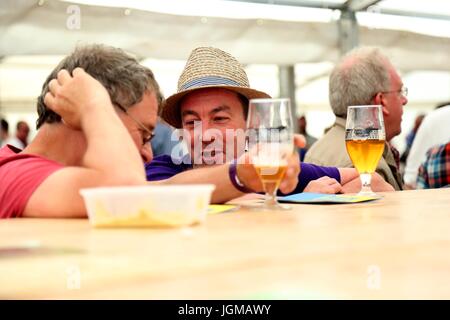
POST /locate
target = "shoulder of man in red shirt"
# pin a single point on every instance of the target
(20, 175)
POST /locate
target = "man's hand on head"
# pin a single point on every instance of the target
(72, 96)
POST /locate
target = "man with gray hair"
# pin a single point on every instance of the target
(96, 115)
(363, 77)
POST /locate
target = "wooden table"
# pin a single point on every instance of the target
(396, 247)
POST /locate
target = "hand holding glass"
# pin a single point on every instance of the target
(270, 142)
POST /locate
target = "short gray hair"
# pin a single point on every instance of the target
(357, 78)
(121, 74)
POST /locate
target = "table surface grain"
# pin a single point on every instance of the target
(395, 247)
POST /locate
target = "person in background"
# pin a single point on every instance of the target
(363, 77)
(410, 137)
(20, 140)
(301, 123)
(4, 132)
(435, 171)
(434, 130)
(163, 143)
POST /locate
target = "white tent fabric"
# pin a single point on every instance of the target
(30, 28)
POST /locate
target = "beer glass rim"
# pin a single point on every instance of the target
(267, 100)
(366, 106)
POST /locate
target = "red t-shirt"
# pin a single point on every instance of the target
(20, 175)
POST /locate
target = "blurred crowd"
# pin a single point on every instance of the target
(20, 137)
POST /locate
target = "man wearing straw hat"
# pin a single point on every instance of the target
(211, 102)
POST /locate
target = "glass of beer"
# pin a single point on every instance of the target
(270, 144)
(364, 139)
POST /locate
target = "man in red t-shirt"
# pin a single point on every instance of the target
(88, 136)
(20, 175)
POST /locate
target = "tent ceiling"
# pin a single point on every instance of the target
(27, 28)
(437, 9)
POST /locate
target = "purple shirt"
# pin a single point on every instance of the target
(163, 167)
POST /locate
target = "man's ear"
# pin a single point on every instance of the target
(380, 99)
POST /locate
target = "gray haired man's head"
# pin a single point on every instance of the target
(122, 75)
(357, 78)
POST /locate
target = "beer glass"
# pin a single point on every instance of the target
(365, 139)
(270, 144)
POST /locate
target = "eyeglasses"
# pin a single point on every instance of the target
(403, 91)
(145, 139)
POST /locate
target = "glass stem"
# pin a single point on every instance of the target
(366, 178)
(271, 196)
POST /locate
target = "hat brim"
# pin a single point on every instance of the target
(171, 110)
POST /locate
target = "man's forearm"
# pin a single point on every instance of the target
(348, 174)
(378, 184)
(217, 175)
(110, 149)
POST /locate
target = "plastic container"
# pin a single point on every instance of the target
(147, 206)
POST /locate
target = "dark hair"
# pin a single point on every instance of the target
(244, 101)
(20, 123)
(4, 125)
(123, 77)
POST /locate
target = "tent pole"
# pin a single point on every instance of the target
(348, 31)
(286, 82)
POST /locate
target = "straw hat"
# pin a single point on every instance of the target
(208, 67)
